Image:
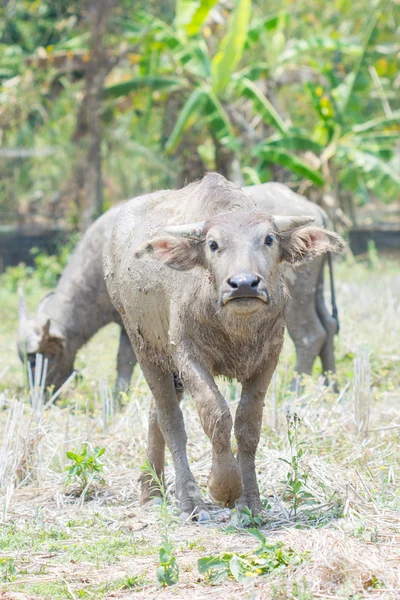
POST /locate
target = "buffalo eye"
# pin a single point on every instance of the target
(269, 240)
(213, 246)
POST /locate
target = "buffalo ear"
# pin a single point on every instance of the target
(306, 243)
(52, 337)
(177, 253)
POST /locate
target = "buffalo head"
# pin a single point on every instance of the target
(38, 335)
(242, 252)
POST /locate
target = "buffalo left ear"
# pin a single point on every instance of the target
(52, 336)
(177, 253)
(306, 243)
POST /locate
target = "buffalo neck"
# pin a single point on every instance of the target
(231, 345)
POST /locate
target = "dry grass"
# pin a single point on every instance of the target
(55, 545)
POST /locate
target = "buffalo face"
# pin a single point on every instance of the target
(241, 252)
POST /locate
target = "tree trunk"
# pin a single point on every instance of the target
(88, 127)
(93, 182)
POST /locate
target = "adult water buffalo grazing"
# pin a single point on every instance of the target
(196, 277)
(308, 321)
(70, 315)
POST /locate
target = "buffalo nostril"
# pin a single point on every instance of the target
(244, 281)
(234, 285)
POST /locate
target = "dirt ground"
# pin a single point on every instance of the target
(332, 511)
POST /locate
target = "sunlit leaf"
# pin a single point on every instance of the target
(262, 105)
(258, 26)
(290, 161)
(296, 142)
(318, 43)
(191, 14)
(193, 105)
(347, 90)
(153, 82)
(231, 47)
(370, 164)
(378, 122)
(218, 117)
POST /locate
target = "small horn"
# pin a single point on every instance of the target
(23, 311)
(46, 328)
(194, 231)
(288, 223)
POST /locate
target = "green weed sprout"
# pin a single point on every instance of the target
(86, 467)
(168, 569)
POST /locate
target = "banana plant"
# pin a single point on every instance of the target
(358, 153)
(212, 81)
(213, 78)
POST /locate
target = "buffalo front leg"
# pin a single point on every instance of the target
(169, 420)
(248, 421)
(126, 361)
(225, 479)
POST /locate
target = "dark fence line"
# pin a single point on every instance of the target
(16, 244)
(385, 237)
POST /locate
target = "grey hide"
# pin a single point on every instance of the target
(78, 307)
(196, 275)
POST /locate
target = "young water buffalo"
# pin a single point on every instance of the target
(196, 277)
(79, 306)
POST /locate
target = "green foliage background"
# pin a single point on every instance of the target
(298, 90)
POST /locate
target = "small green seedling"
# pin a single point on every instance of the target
(7, 570)
(135, 582)
(86, 468)
(265, 559)
(244, 518)
(168, 569)
(296, 478)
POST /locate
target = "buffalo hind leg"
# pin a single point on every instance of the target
(155, 451)
(169, 422)
(126, 361)
(327, 352)
(155, 456)
(309, 336)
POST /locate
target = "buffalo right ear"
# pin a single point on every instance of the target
(178, 253)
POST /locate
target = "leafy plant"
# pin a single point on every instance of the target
(168, 569)
(244, 518)
(7, 569)
(265, 559)
(134, 582)
(373, 256)
(86, 467)
(296, 479)
(13, 276)
(49, 267)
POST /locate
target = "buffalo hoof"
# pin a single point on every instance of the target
(154, 501)
(150, 493)
(225, 484)
(191, 503)
(251, 501)
(202, 515)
